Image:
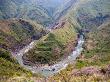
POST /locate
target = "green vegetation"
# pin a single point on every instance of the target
(10, 68)
(52, 46)
(65, 34)
(24, 9)
(44, 51)
(18, 33)
(6, 55)
(97, 46)
(96, 53)
(68, 75)
(15, 34)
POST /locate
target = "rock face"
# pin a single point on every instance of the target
(87, 71)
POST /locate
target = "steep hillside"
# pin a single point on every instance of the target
(14, 34)
(94, 63)
(63, 9)
(97, 46)
(9, 68)
(23, 9)
(40, 11)
(89, 13)
(52, 47)
(93, 16)
(45, 12)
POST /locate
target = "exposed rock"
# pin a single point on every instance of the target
(87, 71)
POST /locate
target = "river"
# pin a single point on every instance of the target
(51, 70)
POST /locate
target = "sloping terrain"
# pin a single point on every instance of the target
(97, 46)
(89, 13)
(23, 9)
(14, 34)
(36, 10)
(52, 47)
(90, 16)
(94, 63)
(18, 32)
(9, 67)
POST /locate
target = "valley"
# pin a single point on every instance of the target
(54, 41)
(52, 69)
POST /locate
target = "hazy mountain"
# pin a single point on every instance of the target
(90, 13)
(41, 11)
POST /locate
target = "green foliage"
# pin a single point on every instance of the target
(25, 10)
(99, 55)
(80, 64)
(44, 50)
(6, 55)
(18, 33)
(50, 48)
(9, 67)
(21, 31)
(65, 34)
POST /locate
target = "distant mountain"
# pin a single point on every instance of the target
(89, 13)
(23, 9)
(41, 11)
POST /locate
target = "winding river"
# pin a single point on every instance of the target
(51, 70)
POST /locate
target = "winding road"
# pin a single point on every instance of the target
(51, 70)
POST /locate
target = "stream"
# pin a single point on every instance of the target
(53, 69)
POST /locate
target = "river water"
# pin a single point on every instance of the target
(51, 70)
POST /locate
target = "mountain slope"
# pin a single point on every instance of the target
(89, 13)
(23, 9)
(14, 34)
(98, 44)
(36, 10)
(52, 47)
(9, 68)
(94, 63)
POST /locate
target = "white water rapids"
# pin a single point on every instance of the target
(51, 70)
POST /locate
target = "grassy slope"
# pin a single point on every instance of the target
(89, 13)
(9, 68)
(96, 53)
(97, 47)
(54, 40)
(25, 10)
(53, 46)
(17, 33)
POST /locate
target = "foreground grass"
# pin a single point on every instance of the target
(11, 71)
